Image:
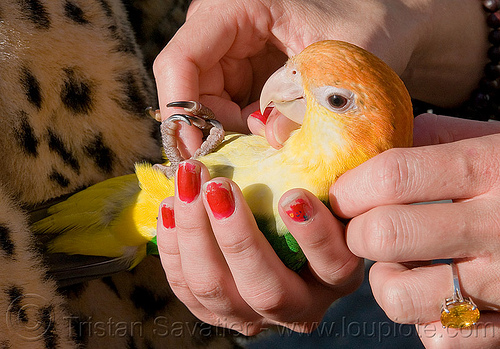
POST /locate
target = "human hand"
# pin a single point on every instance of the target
(227, 274)
(226, 50)
(454, 159)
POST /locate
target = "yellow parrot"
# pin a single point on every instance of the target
(351, 105)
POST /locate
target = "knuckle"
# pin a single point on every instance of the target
(189, 227)
(274, 303)
(464, 168)
(320, 239)
(391, 175)
(163, 61)
(339, 271)
(178, 286)
(398, 301)
(393, 300)
(238, 246)
(176, 283)
(345, 273)
(167, 250)
(381, 234)
(159, 64)
(206, 290)
(488, 223)
(476, 167)
(479, 172)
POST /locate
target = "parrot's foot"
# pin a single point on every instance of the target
(168, 171)
(202, 117)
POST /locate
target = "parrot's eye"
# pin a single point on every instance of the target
(338, 100)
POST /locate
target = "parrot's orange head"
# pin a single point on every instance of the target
(342, 93)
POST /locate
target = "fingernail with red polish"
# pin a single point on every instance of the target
(188, 181)
(298, 208)
(167, 217)
(220, 199)
(262, 117)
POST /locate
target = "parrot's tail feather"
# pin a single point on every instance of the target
(111, 222)
(97, 205)
(74, 269)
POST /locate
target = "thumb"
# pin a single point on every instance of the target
(432, 129)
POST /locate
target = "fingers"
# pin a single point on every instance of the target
(257, 122)
(401, 233)
(271, 289)
(437, 129)
(221, 266)
(273, 125)
(411, 295)
(168, 249)
(416, 295)
(321, 237)
(217, 66)
(278, 128)
(178, 67)
(264, 282)
(387, 229)
(458, 170)
(204, 268)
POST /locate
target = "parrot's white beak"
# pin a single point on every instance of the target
(283, 90)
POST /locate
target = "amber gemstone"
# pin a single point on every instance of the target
(460, 315)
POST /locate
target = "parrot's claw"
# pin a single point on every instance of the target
(194, 108)
(154, 113)
(200, 122)
(180, 117)
(203, 118)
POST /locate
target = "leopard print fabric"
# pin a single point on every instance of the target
(73, 89)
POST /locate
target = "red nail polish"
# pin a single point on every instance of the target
(220, 199)
(188, 181)
(298, 209)
(262, 117)
(167, 217)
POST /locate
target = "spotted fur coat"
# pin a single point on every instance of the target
(73, 88)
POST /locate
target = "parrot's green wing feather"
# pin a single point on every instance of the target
(285, 246)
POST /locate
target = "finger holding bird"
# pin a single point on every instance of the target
(351, 107)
